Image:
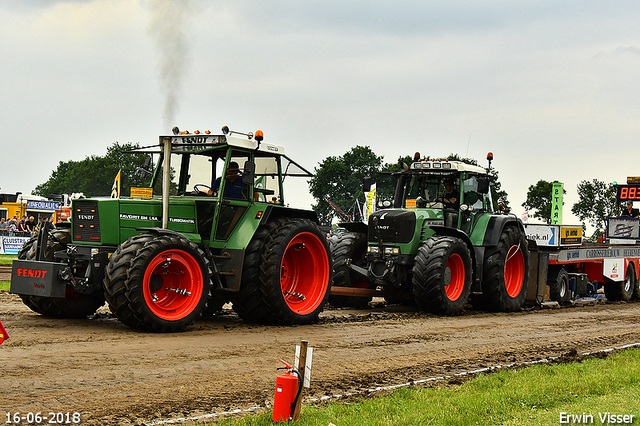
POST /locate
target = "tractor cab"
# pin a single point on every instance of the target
(452, 192)
(227, 177)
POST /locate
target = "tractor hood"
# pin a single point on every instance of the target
(399, 225)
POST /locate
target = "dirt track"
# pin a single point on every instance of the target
(115, 375)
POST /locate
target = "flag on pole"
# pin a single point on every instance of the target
(3, 333)
(115, 189)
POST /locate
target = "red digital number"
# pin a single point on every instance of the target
(624, 193)
(632, 193)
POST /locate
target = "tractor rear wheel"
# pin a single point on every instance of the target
(158, 282)
(506, 272)
(559, 290)
(621, 290)
(287, 274)
(74, 304)
(442, 275)
(348, 247)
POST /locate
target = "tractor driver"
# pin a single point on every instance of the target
(234, 188)
(451, 199)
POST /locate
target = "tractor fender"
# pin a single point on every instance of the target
(274, 211)
(453, 232)
(359, 227)
(160, 231)
(495, 227)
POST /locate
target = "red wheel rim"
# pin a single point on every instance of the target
(304, 274)
(172, 285)
(514, 271)
(454, 276)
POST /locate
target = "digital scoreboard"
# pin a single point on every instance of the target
(628, 193)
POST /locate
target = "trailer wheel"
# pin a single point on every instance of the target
(559, 290)
(621, 290)
(291, 281)
(348, 247)
(506, 272)
(442, 275)
(158, 283)
(74, 304)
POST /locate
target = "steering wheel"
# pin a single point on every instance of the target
(198, 191)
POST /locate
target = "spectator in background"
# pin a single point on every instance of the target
(20, 224)
(4, 226)
(629, 211)
(12, 227)
(30, 225)
(48, 224)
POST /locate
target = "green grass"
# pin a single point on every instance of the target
(7, 259)
(531, 396)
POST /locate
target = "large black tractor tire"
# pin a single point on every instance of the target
(442, 275)
(247, 302)
(158, 283)
(617, 291)
(348, 247)
(74, 304)
(287, 274)
(558, 283)
(506, 272)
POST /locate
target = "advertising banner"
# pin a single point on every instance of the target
(556, 203)
(623, 227)
(614, 269)
(371, 203)
(570, 235)
(543, 235)
(12, 245)
(42, 205)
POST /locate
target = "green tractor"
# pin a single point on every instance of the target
(219, 232)
(440, 245)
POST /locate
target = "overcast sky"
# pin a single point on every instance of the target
(551, 87)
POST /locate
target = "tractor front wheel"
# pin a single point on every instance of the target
(442, 275)
(158, 283)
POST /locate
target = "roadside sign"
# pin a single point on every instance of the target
(543, 235)
(3, 333)
(570, 235)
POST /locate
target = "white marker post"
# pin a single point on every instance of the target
(304, 357)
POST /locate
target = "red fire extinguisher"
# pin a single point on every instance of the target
(288, 389)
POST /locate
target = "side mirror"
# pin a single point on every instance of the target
(483, 184)
(366, 184)
(249, 172)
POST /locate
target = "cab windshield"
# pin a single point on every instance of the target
(426, 191)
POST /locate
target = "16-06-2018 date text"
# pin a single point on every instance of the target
(49, 418)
